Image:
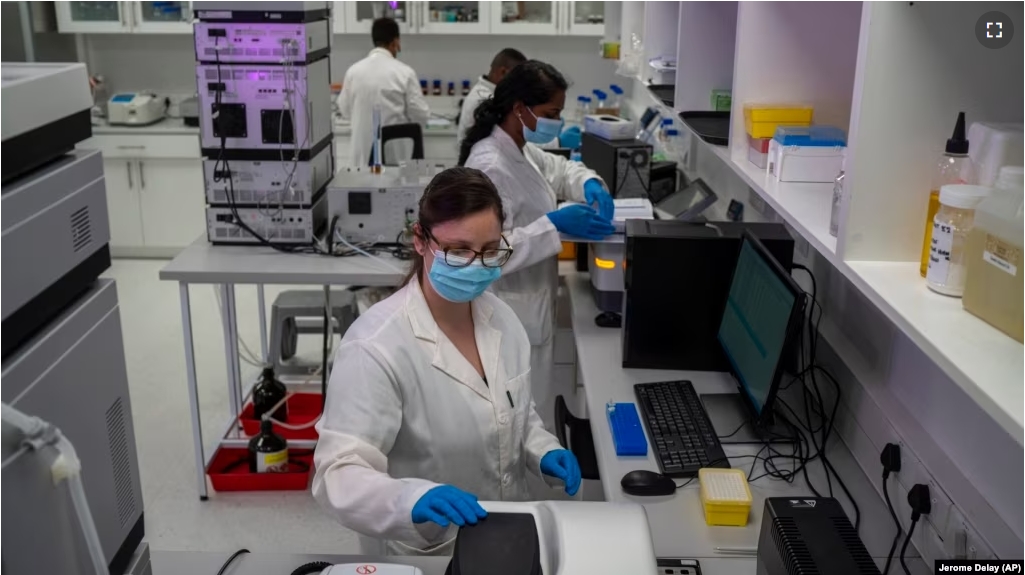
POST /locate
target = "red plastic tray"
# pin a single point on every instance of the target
(302, 408)
(238, 477)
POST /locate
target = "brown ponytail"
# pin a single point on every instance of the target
(453, 194)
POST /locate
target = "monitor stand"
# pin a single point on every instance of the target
(727, 412)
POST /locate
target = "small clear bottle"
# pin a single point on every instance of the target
(672, 145)
(953, 167)
(583, 108)
(617, 98)
(953, 222)
(599, 99)
(667, 124)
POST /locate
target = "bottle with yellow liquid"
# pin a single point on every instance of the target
(954, 167)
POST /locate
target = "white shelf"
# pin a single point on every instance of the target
(804, 206)
(984, 362)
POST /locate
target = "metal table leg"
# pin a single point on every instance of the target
(231, 350)
(190, 374)
(263, 322)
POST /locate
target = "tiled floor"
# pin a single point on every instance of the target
(175, 518)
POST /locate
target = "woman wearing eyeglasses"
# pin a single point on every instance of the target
(429, 405)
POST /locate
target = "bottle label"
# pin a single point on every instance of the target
(1002, 255)
(273, 462)
(939, 253)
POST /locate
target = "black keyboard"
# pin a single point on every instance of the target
(683, 438)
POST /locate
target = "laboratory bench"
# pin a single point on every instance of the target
(677, 521)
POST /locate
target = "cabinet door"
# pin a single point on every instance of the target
(92, 17)
(172, 202)
(162, 17)
(452, 17)
(525, 18)
(359, 16)
(584, 18)
(122, 183)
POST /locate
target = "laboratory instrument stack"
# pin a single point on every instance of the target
(62, 347)
(263, 74)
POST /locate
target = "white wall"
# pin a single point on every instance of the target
(165, 63)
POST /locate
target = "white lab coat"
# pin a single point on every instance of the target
(481, 91)
(380, 80)
(531, 183)
(406, 412)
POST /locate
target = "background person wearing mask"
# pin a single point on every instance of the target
(381, 80)
(429, 405)
(524, 113)
(504, 61)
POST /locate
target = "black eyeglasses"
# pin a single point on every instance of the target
(462, 257)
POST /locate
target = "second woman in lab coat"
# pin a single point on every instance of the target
(429, 405)
(503, 143)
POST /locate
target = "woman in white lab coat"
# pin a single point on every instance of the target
(429, 405)
(524, 113)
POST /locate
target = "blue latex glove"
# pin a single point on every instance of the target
(595, 192)
(562, 464)
(570, 137)
(581, 221)
(446, 504)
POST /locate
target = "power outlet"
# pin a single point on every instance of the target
(963, 541)
(912, 472)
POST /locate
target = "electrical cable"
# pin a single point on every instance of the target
(234, 555)
(904, 548)
(896, 521)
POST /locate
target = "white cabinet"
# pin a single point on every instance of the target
(85, 17)
(452, 17)
(156, 206)
(154, 191)
(122, 203)
(125, 17)
(584, 18)
(172, 206)
(162, 17)
(357, 17)
(526, 18)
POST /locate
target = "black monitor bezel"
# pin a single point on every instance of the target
(794, 323)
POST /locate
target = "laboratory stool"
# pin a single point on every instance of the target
(291, 306)
(581, 442)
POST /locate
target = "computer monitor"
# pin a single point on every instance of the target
(760, 324)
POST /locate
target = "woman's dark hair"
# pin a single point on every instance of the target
(453, 194)
(532, 83)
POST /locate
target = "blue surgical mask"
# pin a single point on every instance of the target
(459, 285)
(547, 129)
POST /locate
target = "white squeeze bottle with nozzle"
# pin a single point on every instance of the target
(953, 167)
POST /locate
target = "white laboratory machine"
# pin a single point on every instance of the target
(556, 538)
(375, 208)
(135, 109)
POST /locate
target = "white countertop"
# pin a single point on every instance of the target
(202, 262)
(677, 522)
(169, 126)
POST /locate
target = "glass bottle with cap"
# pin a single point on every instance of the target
(951, 226)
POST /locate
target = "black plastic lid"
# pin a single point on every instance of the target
(268, 373)
(958, 144)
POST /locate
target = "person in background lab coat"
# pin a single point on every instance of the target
(504, 61)
(429, 405)
(502, 143)
(381, 80)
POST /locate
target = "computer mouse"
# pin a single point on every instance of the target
(646, 483)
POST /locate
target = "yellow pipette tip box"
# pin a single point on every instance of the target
(725, 496)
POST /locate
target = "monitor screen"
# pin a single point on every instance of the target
(753, 331)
